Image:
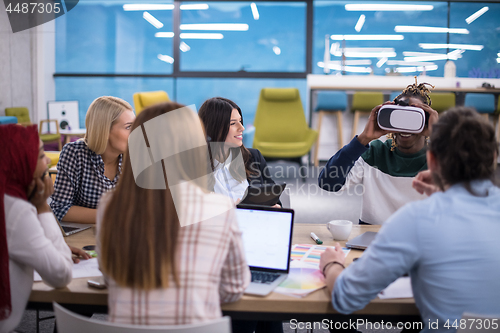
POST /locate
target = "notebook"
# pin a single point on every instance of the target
(267, 239)
(362, 241)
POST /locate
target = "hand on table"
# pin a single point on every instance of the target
(79, 253)
(423, 183)
(331, 254)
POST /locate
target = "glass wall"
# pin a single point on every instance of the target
(235, 48)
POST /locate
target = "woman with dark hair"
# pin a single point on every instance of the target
(235, 166)
(171, 250)
(383, 171)
(448, 243)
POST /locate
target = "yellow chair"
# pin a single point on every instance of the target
(53, 156)
(23, 117)
(281, 130)
(148, 98)
(442, 101)
(362, 104)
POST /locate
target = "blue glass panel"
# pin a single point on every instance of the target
(484, 31)
(244, 92)
(85, 90)
(275, 42)
(332, 18)
(101, 37)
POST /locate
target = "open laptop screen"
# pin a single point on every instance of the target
(266, 236)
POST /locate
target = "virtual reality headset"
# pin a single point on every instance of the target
(398, 118)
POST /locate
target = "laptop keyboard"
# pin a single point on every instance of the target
(264, 277)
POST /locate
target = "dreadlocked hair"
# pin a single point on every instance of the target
(418, 90)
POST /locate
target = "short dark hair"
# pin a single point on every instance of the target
(464, 145)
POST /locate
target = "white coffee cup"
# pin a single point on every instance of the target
(340, 229)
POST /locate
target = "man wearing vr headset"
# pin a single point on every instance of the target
(383, 169)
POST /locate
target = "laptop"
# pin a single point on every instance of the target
(362, 241)
(68, 228)
(267, 239)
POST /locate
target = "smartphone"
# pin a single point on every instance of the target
(44, 174)
(97, 285)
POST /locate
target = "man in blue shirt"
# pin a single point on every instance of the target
(448, 243)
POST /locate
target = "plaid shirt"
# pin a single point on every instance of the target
(211, 267)
(80, 179)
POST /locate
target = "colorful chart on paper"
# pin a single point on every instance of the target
(310, 254)
(304, 278)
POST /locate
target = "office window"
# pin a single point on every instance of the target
(244, 92)
(244, 36)
(481, 46)
(352, 26)
(108, 37)
(86, 89)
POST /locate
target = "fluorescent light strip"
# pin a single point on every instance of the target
(276, 50)
(153, 20)
(367, 37)
(381, 62)
(365, 62)
(196, 6)
(474, 16)
(201, 36)
(407, 63)
(415, 69)
(216, 26)
(255, 11)
(411, 28)
(387, 7)
(498, 55)
(164, 34)
(418, 54)
(451, 46)
(184, 47)
(498, 60)
(349, 69)
(141, 7)
(453, 55)
(360, 23)
(166, 58)
(350, 54)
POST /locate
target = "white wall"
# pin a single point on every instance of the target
(27, 63)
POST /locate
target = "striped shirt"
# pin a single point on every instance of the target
(211, 267)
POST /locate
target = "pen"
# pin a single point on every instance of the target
(316, 239)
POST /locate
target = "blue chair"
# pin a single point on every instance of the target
(330, 102)
(483, 103)
(4, 120)
(393, 95)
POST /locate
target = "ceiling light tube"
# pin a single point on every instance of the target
(349, 54)
(365, 62)
(164, 34)
(360, 23)
(350, 69)
(153, 20)
(201, 36)
(255, 11)
(195, 6)
(498, 60)
(410, 28)
(184, 47)
(141, 7)
(215, 26)
(415, 69)
(381, 62)
(367, 37)
(387, 7)
(276, 50)
(408, 63)
(474, 16)
(166, 58)
(451, 46)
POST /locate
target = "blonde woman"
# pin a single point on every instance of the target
(92, 166)
(171, 252)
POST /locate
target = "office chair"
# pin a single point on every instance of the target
(442, 101)
(148, 98)
(362, 104)
(69, 322)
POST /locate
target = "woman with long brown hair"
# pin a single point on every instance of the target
(172, 251)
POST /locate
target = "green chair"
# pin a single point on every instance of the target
(144, 99)
(23, 117)
(281, 130)
(362, 104)
(442, 101)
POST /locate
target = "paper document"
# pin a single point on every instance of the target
(401, 288)
(85, 268)
(302, 280)
(310, 254)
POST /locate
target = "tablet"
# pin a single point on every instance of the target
(263, 195)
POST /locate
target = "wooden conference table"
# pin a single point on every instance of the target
(316, 306)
